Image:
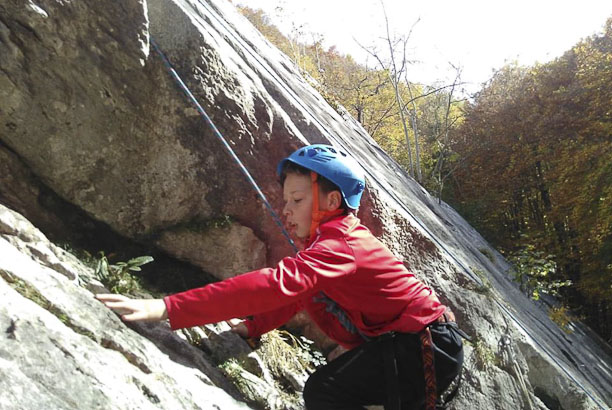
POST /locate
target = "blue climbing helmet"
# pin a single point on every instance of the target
(335, 165)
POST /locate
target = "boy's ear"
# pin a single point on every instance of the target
(334, 200)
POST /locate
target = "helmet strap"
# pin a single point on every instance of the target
(319, 216)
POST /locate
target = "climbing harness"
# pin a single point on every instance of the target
(428, 369)
(432, 400)
(394, 400)
(277, 220)
(332, 307)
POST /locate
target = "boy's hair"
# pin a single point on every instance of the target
(325, 184)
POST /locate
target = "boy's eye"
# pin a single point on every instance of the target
(297, 200)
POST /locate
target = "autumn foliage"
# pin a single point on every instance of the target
(536, 145)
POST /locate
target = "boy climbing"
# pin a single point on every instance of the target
(404, 348)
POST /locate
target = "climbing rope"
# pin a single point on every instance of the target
(203, 113)
(508, 360)
(371, 176)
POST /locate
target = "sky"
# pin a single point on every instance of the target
(475, 35)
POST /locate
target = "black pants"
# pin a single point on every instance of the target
(357, 378)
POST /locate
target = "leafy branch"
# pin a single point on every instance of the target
(534, 272)
(119, 278)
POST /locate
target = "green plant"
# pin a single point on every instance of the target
(247, 383)
(118, 278)
(193, 337)
(196, 225)
(487, 252)
(485, 288)
(281, 351)
(560, 315)
(306, 353)
(484, 354)
(287, 357)
(534, 271)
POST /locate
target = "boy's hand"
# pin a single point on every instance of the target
(238, 327)
(135, 310)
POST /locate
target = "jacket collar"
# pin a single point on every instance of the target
(340, 223)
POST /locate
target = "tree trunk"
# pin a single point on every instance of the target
(415, 130)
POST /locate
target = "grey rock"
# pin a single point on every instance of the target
(223, 251)
(65, 350)
(24, 236)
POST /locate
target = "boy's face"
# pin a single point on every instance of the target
(297, 193)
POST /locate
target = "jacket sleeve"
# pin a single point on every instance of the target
(267, 321)
(263, 290)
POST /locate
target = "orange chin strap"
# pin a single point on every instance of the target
(319, 216)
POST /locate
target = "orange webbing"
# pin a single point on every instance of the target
(429, 369)
(317, 215)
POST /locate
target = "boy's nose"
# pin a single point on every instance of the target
(286, 210)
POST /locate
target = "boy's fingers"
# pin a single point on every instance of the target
(110, 297)
(119, 305)
(135, 316)
(135, 309)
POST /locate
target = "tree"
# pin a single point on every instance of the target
(441, 115)
(395, 68)
(539, 168)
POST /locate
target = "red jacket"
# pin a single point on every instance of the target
(347, 263)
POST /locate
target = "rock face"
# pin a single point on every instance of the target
(61, 349)
(89, 112)
(214, 249)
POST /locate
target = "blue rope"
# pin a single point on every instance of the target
(203, 113)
